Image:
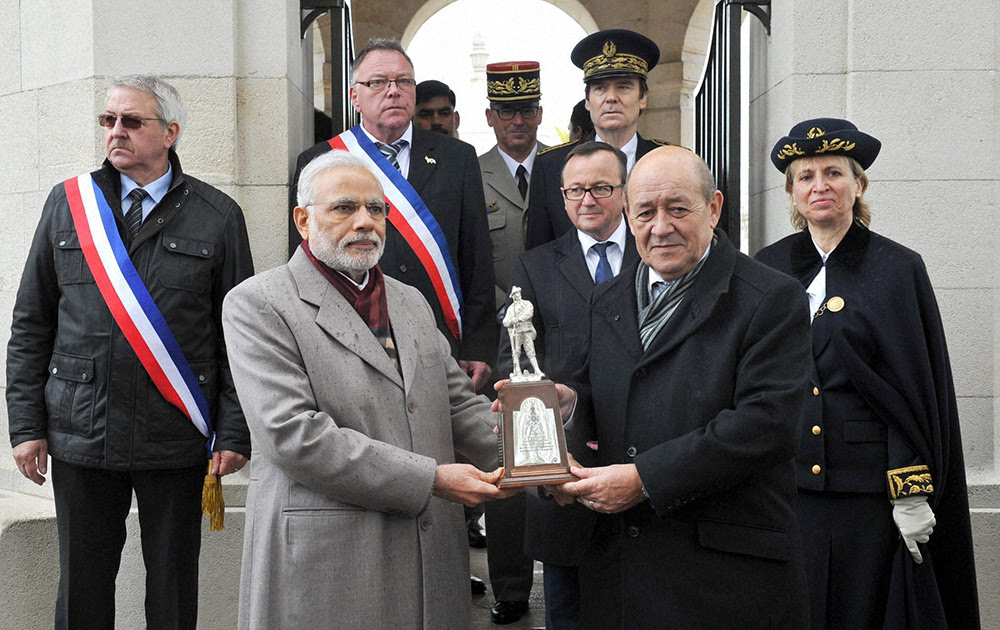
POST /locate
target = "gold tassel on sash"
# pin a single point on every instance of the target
(212, 502)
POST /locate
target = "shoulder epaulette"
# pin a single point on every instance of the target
(558, 146)
(661, 143)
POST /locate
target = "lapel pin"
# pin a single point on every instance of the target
(430, 160)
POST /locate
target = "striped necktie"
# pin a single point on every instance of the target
(133, 218)
(390, 151)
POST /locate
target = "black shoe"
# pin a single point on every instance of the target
(477, 537)
(506, 611)
(478, 586)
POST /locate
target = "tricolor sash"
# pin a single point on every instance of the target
(414, 222)
(131, 304)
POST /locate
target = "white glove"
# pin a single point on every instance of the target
(915, 521)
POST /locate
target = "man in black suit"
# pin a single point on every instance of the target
(444, 172)
(615, 64)
(699, 365)
(558, 278)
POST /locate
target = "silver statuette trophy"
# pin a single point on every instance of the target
(531, 439)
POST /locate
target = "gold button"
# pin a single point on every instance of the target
(817, 430)
(816, 469)
(815, 391)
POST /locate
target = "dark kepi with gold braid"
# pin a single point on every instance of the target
(615, 53)
(825, 136)
(513, 81)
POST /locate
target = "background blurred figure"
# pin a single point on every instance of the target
(881, 405)
(435, 108)
(580, 125)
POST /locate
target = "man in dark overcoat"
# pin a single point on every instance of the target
(699, 360)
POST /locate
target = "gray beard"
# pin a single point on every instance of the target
(336, 257)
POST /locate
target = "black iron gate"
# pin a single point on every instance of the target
(717, 105)
(340, 45)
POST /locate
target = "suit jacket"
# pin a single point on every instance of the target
(505, 213)
(555, 278)
(445, 173)
(547, 218)
(345, 451)
(708, 414)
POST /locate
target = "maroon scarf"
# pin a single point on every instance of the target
(370, 302)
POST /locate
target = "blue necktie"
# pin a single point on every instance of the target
(603, 272)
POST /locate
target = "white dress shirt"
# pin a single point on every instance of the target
(155, 191)
(615, 253)
(817, 288)
(403, 157)
(629, 150)
(512, 164)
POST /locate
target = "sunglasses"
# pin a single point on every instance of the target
(129, 122)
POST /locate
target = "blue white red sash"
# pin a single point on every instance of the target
(131, 305)
(414, 222)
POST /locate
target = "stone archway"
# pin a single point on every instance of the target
(673, 24)
(573, 8)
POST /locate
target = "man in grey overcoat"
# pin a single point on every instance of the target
(357, 409)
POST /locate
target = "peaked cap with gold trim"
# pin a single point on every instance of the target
(615, 53)
(513, 81)
(825, 136)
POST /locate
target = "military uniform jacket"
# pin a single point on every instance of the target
(547, 218)
(883, 399)
(708, 414)
(505, 213)
(445, 173)
(73, 378)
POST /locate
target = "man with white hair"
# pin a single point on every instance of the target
(116, 365)
(357, 410)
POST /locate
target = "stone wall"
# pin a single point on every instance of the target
(926, 84)
(246, 79)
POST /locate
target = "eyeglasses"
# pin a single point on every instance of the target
(345, 209)
(507, 113)
(597, 192)
(377, 85)
(129, 122)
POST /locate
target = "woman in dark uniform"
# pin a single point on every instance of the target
(882, 495)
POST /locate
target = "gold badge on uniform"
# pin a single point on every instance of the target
(835, 304)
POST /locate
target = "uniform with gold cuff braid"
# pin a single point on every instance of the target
(882, 493)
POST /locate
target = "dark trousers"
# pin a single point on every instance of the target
(91, 507)
(562, 597)
(511, 570)
(848, 541)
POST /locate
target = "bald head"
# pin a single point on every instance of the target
(673, 206)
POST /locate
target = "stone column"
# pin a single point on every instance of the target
(245, 76)
(925, 83)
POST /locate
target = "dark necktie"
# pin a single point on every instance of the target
(603, 272)
(522, 180)
(133, 218)
(390, 151)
